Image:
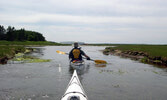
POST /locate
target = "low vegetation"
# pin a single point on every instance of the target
(26, 43)
(21, 57)
(17, 53)
(152, 50)
(9, 51)
(148, 53)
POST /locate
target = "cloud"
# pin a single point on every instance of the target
(89, 7)
(103, 20)
(84, 20)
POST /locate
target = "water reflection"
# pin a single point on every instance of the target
(37, 52)
(100, 65)
(59, 66)
(81, 70)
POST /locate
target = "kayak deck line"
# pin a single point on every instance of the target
(74, 90)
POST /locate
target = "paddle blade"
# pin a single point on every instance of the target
(100, 62)
(60, 52)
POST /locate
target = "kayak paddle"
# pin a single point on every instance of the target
(99, 61)
(61, 52)
(96, 61)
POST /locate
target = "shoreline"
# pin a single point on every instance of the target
(10, 55)
(8, 49)
(4, 60)
(137, 55)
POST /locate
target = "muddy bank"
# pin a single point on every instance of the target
(4, 60)
(137, 55)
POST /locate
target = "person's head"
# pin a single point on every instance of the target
(76, 45)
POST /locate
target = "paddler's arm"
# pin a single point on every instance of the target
(87, 57)
(83, 53)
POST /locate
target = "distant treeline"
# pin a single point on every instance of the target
(11, 34)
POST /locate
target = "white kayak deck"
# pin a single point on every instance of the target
(74, 89)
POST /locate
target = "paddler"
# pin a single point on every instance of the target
(76, 53)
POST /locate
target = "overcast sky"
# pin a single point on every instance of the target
(91, 21)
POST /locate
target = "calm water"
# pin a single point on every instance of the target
(121, 79)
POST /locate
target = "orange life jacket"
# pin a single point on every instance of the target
(76, 53)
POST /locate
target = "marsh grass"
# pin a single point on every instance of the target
(29, 59)
(28, 43)
(151, 50)
(10, 48)
(10, 51)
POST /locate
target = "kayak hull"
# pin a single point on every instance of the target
(74, 89)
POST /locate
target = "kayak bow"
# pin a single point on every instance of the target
(74, 89)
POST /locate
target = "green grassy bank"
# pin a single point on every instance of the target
(28, 43)
(9, 51)
(151, 53)
(152, 50)
(9, 48)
